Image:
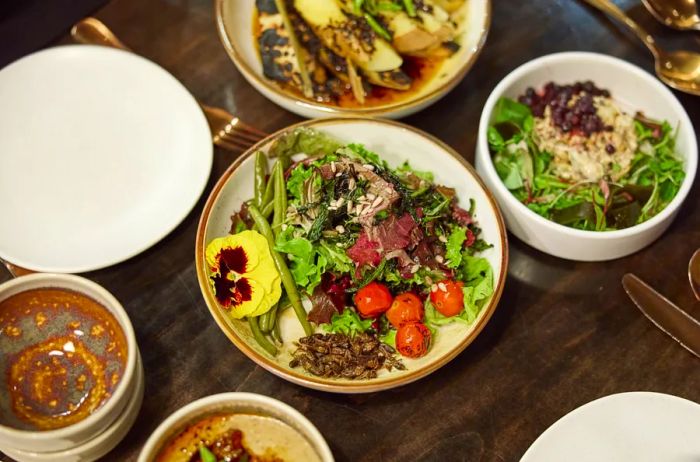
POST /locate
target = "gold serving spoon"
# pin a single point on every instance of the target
(677, 69)
(678, 14)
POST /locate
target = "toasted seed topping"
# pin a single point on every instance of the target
(368, 166)
(340, 229)
(442, 239)
(442, 286)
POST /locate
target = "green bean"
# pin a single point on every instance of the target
(259, 185)
(268, 209)
(266, 319)
(287, 279)
(269, 189)
(279, 200)
(206, 455)
(277, 332)
(410, 8)
(273, 316)
(260, 338)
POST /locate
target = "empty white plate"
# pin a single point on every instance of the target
(102, 154)
(637, 426)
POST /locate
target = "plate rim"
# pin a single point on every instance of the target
(320, 383)
(203, 128)
(329, 110)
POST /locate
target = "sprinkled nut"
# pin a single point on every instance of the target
(340, 229)
(371, 196)
(350, 206)
(338, 174)
(439, 259)
(442, 238)
(428, 280)
(351, 184)
(433, 288)
(338, 244)
(442, 286)
(333, 166)
(368, 166)
(339, 202)
(414, 269)
(377, 201)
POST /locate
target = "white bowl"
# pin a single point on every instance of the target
(234, 19)
(395, 143)
(100, 445)
(73, 435)
(635, 89)
(248, 403)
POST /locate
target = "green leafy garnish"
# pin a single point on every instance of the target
(348, 323)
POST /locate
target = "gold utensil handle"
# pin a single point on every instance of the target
(92, 31)
(608, 7)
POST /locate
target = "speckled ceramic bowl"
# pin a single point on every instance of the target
(234, 19)
(395, 143)
(246, 404)
(63, 351)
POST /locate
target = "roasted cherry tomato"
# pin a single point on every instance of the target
(413, 340)
(446, 296)
(406, 308)
(373, 300)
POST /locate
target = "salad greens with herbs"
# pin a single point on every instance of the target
(383, 254)
(653, 180)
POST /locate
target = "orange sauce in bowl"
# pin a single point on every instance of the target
(63, 355)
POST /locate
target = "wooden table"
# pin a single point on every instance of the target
(564, 333)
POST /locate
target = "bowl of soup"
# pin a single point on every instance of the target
(68, 365)
(236, 426)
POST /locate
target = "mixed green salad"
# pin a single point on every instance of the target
(571, 155)
(385, 256)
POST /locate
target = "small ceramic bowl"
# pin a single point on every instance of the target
(94, 424)
(395, 143)
(238, 403)
(234, 19)
(99, 446)
(636, 90)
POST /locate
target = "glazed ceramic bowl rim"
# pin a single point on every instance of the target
(64, 281)
(177, 418)
(320, 383)
(376, 111)
(564, 58)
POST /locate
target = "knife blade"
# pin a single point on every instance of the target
(668, 317)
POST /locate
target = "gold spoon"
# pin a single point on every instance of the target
(679, 14)
(694, 273)
(677, 69)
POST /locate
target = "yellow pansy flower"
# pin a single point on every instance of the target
(243, 274)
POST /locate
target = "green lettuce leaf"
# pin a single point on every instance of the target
(454, 246)
(348, 323)
(303, 139)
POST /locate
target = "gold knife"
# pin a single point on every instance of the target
(667, 316)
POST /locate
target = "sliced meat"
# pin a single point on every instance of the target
(365, 251)
(396, 233)
(461, 216)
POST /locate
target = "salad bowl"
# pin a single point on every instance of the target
(396, 143)
(235, 24)
(634, 91)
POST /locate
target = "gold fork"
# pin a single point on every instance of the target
(228, 131)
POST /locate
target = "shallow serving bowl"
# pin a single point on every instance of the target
(395, 143)
(635, 90)
(235, 403)
(234, 19)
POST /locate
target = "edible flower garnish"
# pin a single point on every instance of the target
(243, 274)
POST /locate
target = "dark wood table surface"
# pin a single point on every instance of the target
(564, 333)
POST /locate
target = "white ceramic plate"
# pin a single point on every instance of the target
(395, 143)
(235, 24)
(103, 154)
(637, 426)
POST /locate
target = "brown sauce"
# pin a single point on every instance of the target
(238, 437)
(63, 355)
(420, 70)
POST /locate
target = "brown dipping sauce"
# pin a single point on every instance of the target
(420, 70)
(238, 438)
(63, 355)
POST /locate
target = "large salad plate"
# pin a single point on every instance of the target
(103, 154)
(395, 143)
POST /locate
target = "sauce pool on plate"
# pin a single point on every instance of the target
(63, 356)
